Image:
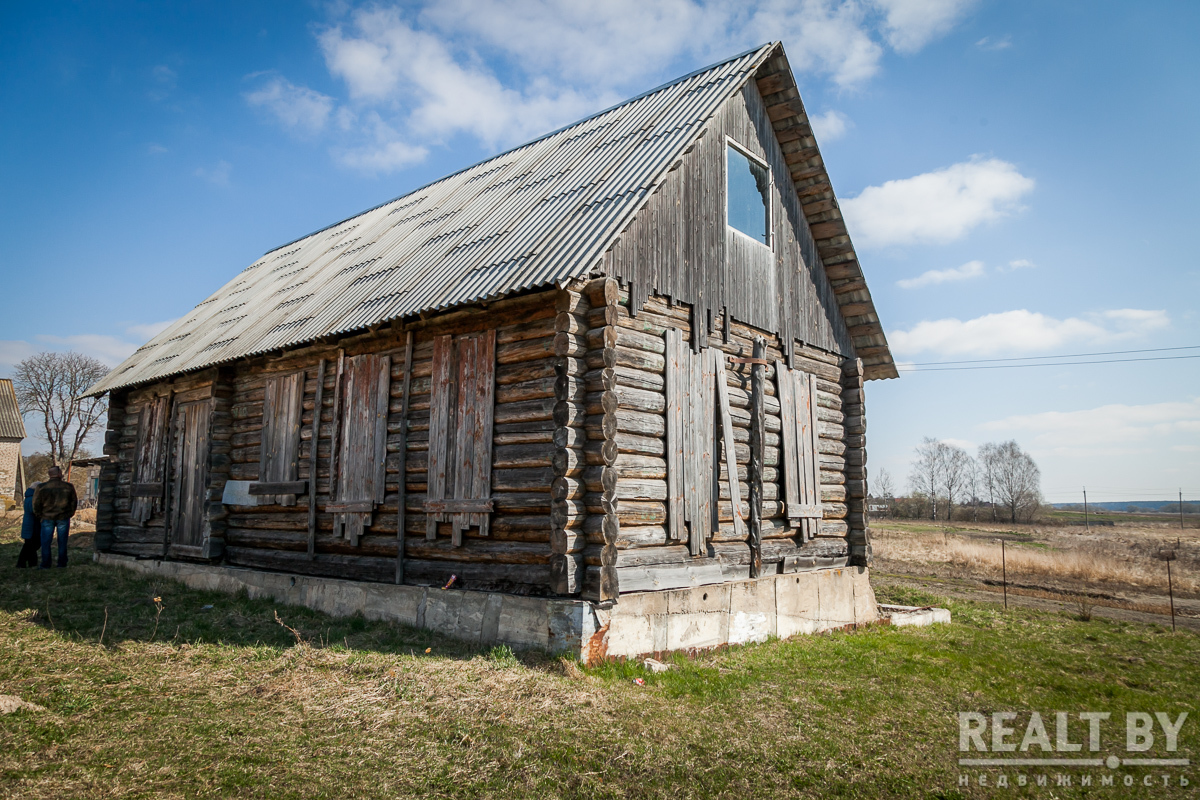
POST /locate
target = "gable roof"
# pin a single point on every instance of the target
(12, 426)
(540, 214)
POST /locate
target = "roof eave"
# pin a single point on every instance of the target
(777, 85)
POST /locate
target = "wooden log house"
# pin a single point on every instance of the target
(628, 356)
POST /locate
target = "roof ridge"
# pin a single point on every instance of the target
(535, 140)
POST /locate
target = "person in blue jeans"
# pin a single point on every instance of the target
(54, 504)
(31, 532)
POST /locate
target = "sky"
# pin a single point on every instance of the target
(1018, 178)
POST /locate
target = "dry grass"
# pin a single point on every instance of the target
(1088, 562)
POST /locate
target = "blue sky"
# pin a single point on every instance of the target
(1018, 178)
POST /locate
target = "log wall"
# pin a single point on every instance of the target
(645, 556)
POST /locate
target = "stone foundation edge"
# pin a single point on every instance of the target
(642, 623)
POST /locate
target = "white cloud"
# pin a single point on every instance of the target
(963, 443)
(295, 106)
(144, 332)
(218, 175)
(502, 71)
(1020, 263)
(594, 44)
(912, 24)
(386, 153)
(821, 36)
(1022, 331)
(1108, 429)
(988, 43)
(108, 348)
(939, 206)
(384, 59)
(971, 269)
(13, 351)
(830, 126)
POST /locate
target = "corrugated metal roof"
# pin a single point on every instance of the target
(533, 216)
(12, 426)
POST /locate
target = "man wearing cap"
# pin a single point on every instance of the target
(54, 504)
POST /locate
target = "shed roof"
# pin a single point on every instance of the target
(540, 214)
(12, 426)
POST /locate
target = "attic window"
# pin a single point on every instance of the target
(748, 195)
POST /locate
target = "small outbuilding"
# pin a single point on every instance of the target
(606, 387)
(12, 433)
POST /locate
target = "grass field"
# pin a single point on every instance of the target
(208, 695)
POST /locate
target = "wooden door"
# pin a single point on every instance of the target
(189, 478)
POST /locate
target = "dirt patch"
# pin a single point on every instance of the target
(11, 704)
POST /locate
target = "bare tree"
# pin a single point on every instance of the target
(1014, 477)
(989, 467)
(972, 486)
(955, 474)
(49, 385)
(927, 470)
(884, 489)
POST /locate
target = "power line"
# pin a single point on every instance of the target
(1063, 355)
(902, 368)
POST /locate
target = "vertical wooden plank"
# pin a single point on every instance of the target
(731, 471)
(291, 444)
(335, 442)
(169, 423)
(709, 478)
(784, 390)
(382, 400)
(814, 449)
(808, 469)
(402, 482)
(754, 471)
(693, 412)
(464, 446)
(439, 401)
(318, 408)
(484, 421)
(675, 435)
(279, 444)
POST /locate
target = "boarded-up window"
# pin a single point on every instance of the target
(696, 392)
(279, 454)
(150, 459)
(462, 397)
(361, 457)
(801, 454)
(189, 474)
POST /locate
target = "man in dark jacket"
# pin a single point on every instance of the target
(31, 532)
(54, 503)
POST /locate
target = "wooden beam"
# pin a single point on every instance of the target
(261, 488)
(318, 405)
(402, 490)
(754, 472)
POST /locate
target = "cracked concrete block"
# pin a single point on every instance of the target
(866, 610)
(835, 598)
(522, 621)
(695, 631)
(700, 599)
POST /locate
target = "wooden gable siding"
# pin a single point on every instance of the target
(679, 247)
(629, 541)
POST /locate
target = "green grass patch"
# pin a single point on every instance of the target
(211, 696)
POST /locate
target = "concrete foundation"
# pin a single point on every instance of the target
(639, 624)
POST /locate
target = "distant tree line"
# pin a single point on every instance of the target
(1001, 482)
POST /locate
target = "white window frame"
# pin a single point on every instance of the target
(770, 243)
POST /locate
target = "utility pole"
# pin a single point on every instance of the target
(1181, 509)
(1086, 524)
